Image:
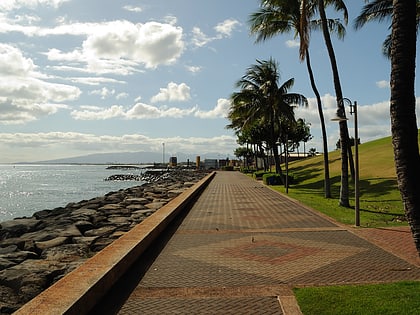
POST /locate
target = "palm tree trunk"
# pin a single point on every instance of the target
(255, 156)
(277, 158)
(344, 134)
(403, 111)
(327, 185)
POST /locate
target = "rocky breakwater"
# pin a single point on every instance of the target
(37, 251)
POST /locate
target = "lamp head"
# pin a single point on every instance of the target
(339, 118)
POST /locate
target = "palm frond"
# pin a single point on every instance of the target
(378, 10)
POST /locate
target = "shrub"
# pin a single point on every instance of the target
(259, 174)
(272, 179)
(290, 179)
(247, 170)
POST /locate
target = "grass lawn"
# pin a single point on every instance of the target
(380, 200)
(393, 298)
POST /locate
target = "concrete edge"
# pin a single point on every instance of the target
(78, 291)
(289, 305)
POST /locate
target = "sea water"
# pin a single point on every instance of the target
(25, 189)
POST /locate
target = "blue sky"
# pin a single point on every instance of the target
(82, 77)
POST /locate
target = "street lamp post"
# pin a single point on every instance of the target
(340, 117)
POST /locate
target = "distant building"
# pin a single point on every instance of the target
(211, 164)
(173, 161)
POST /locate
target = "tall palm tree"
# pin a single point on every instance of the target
(339, 5)
(380, 10)
(262, 101)
(403, 110)
(281, 16)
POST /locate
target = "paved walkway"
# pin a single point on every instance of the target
(243, 246)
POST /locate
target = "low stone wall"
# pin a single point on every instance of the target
(36, 252)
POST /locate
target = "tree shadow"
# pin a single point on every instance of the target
(316, 187)
(317, 165)
(378, 186)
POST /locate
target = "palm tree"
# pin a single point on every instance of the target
(403, 110)
(339, 5)
(380, 10)
(263, 102)
(281, 16)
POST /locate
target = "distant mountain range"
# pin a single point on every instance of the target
(130, 158)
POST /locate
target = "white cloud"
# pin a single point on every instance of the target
(223, 30)
(28, 19)
(98, 113)
(15, 115)
(292, 43)
(94, 80)
(220, 111)
(118, 46)
(170, 19)
(7, 5)
(383, 84)
(104, 92)
(121, 95)
(193, 69)
(132, 8)
(13, 63)
(138, 111)
(25, 94)
(200, 39)
(226, 27)
(173, 92)
(151, 43)
(146, 111)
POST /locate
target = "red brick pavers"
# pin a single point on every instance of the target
(397, 240)
(243, 246)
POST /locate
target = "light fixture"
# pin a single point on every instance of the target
(340, 116)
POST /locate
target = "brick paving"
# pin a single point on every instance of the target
(243, 246)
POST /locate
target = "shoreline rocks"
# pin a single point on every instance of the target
(37, 251)
(148, 176)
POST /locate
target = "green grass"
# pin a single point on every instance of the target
(380, 200)
(393, 298)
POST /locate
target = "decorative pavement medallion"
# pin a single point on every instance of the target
(259, 253)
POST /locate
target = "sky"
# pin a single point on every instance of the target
(81, 77)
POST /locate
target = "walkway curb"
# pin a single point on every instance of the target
(78, 291)
(289, 305)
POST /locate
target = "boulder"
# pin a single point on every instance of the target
(103, 231)
(52, 243)
(8, 249)
(66, 253)
(84, 226)
(17, 227)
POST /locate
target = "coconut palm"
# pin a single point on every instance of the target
(380, 10)
(282, 16)
(403, 110)
(263, 102)
(346, 155)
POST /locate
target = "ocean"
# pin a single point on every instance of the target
(25, 189)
